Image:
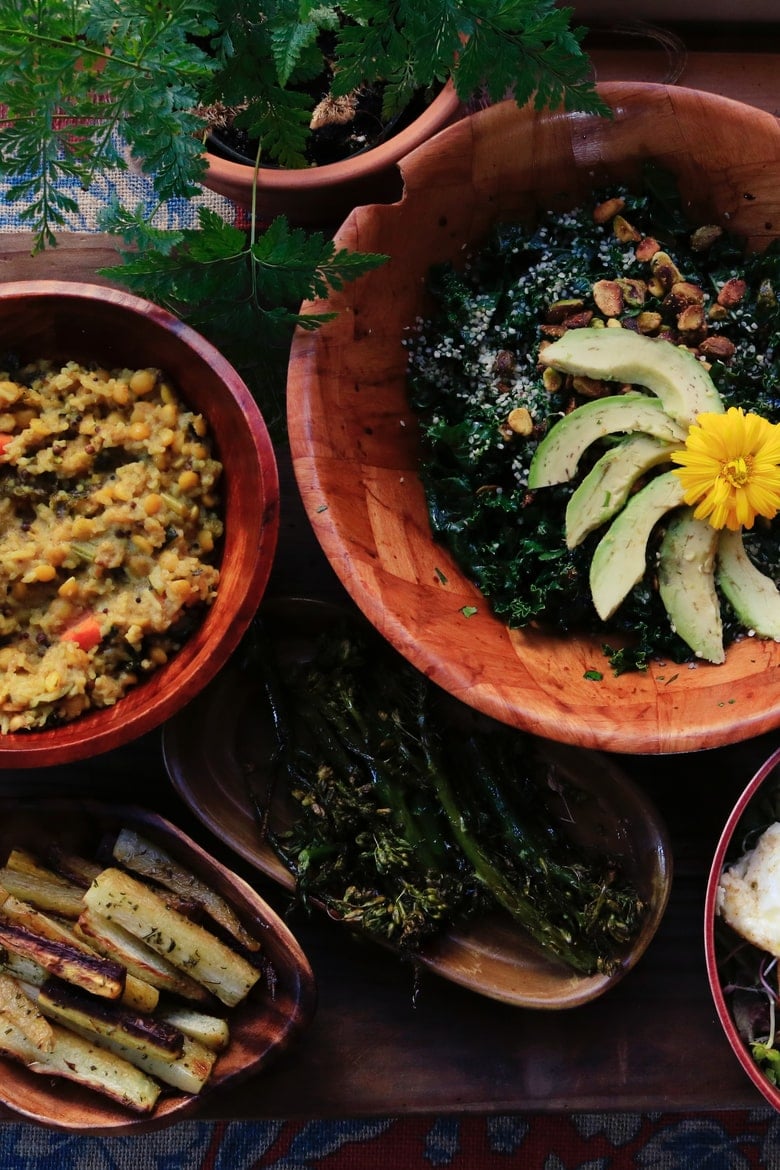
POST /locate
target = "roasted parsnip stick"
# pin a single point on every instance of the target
(210, 1030)
(148, 860)
(101, 976)
(77, 1059)
(53, 896)
(188, 1073)
(17, 1009)
(108, 1019)
(113, 941)
(186, 944)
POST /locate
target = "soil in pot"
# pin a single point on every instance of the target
(341, 128)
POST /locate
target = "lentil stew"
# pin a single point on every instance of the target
(109, 530)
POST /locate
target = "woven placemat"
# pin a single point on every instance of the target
(736, 1140)
(131, 187)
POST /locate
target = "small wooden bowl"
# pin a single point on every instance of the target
(64, 320)
(743, 816)
(268, 1022)
(355, 446)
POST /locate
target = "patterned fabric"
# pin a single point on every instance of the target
(132, 187)
(623, 1141)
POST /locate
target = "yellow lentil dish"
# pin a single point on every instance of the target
(109, 524)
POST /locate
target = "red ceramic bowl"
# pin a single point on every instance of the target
(729, 848)
(64, 320)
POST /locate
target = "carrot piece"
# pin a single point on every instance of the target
(85, 632)
(5, 439)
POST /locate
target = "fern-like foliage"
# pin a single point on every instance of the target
(82, 81)
(240, 291)
(527, 48)
(72, 74)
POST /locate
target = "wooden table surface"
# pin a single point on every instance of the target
(385, 1041)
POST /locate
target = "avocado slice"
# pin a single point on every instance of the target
(619, 355)
(754, 596)
(555, 459)
(620, 559)
(686, 583)
(606, 487)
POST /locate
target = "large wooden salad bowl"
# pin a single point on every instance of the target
(353, 436)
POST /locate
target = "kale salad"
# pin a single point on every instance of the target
(629, 259)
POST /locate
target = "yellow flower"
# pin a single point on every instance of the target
(730, 468)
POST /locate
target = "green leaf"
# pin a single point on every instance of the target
(288, 41)
(295, 265)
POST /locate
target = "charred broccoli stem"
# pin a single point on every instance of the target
(407, 821)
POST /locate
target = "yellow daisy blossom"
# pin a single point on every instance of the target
(730, 468)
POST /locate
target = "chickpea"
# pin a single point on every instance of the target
(143, 381)
(188, 481)
(138, 431)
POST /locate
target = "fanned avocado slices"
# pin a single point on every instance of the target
(620, 560)
(671, 372)
(607, 486)
(557, 457)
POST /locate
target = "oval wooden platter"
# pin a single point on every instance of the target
(213, 744)
(268, 1022)
(355, 447)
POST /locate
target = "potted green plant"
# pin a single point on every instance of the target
(313, 62)
(88, 86)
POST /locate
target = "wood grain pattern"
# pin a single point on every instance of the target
(67, 319)
(269, 1021)
(353, 438)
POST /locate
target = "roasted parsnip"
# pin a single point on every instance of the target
(85, 952)
(48, 894)
(213, 1031)
(113, 941)
(22, 861)
(108, 1019)
(188, 945)
(19, 1010)
(189, 1073)
(103, 977)
(77, 1059)
(81, 871)
(144, 858)
(139, 995)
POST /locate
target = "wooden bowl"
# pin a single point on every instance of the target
(354, 441)
(268, 1022)
(755, 808)
(90, 323)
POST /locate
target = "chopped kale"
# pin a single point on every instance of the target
(477, 359)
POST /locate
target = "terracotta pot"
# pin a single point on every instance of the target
(319, 196)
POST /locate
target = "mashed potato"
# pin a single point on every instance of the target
(109, 524)
(749, 893)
